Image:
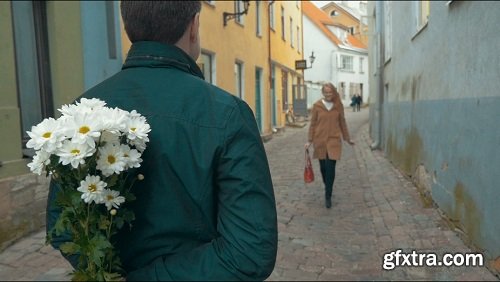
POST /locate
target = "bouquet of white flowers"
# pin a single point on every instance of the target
(90, 153)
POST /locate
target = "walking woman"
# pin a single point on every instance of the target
(327, 129)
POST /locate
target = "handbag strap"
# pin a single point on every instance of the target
(307, 159)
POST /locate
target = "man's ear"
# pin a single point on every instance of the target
(195, 25)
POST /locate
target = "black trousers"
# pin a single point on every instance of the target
(327, 168)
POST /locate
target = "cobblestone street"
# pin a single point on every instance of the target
(375, 210)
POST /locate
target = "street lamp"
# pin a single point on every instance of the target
(229, 16)
(302, 64)
(311, 58)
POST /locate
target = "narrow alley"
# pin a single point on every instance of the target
(375, 211)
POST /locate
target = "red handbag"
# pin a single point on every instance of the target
(308, 170)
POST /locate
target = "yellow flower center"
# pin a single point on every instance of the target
(84, 129)
(110, 197)
(75, 152)
(111, 159)
(92, 188)
(47, 134)
(133, 128)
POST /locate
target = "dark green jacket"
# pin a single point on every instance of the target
(206, 208)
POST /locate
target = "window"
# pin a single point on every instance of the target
(238, 78)
(342, 90)
(239, 7)
(258, 97)
(423, 11)
(207, 67)
(346, 63)
(299, 41)
(258, 16)
(284, 90)
(388, 29)
(34, 81)
(291, 32)
(110, 29)
(361, 60)
(282, 23)
(334, 13)
(351, 30)
(362, 7)
(271, 16)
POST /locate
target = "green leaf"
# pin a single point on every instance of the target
(103, 222)
(70, 248)
(112, 276)
(119, 222)
(112, 180)
(80, 275)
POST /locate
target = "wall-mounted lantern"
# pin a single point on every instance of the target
(229, 16)
(302, 64)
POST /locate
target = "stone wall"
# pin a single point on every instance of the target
(22, 206)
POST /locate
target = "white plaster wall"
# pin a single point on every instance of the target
(315, 40)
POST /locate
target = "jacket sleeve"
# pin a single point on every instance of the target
(246, 220)
(343, 126)
(52, 214)
(312, 126)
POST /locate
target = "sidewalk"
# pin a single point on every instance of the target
(375, 210)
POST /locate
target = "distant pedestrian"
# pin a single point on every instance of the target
(359, 101)
(327, 127)
(353, 102)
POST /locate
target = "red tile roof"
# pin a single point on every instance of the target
(321, 20)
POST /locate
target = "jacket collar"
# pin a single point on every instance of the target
(156, 54)
(320, 104)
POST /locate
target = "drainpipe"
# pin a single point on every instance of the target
(379, 35)
(273, 110)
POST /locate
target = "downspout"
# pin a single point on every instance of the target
(379, 35)
(273, 110)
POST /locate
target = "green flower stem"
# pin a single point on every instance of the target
(108, 235)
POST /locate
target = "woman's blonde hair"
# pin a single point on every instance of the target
(336, 96)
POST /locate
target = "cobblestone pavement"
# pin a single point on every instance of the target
(375, 210)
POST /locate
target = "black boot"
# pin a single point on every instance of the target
(328, 202)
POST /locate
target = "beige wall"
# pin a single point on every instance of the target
(10, 149)
(66, 54)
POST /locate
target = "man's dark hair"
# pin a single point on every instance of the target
(163, 21)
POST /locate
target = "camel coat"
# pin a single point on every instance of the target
(326, 129)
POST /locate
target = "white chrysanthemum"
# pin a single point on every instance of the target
(132, 156)
(45, 136)
(110, 138)
(84, 128)
(112, 198)
(111, 160)
(139, 144)
(40, 160)
(135, 114)
(114, 120)
(92, 188)
(73, 153)
(69, 110)
(137, 128)
(91, 104)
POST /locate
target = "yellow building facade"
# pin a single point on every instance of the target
(246, 54)
(286, 42)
